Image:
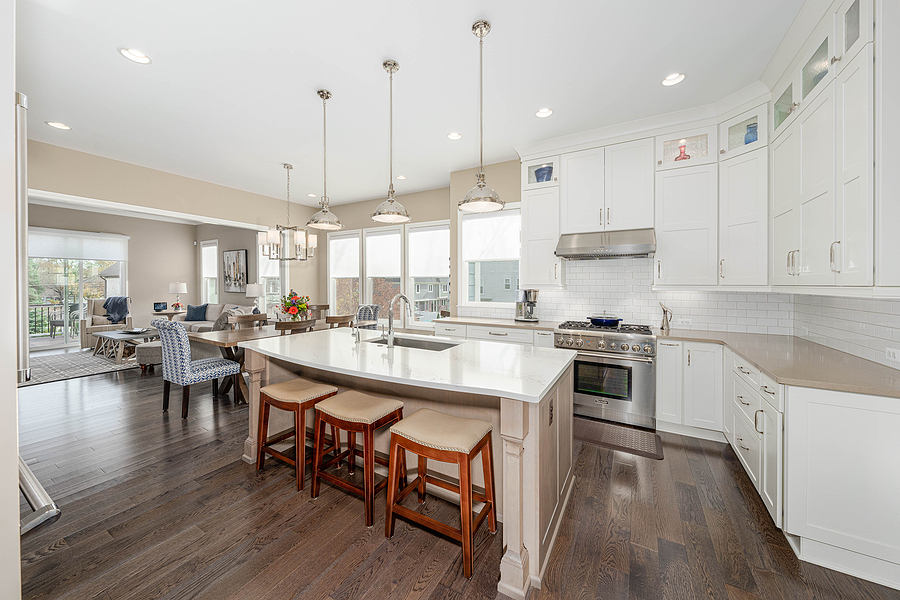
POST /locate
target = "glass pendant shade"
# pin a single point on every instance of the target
(325, 219)
(481, 198)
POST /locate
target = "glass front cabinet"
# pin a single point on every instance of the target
(743, 133)
(854, 26)
(686, 148)
(541, 173)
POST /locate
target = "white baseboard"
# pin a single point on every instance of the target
(695, 432)
(852, 563)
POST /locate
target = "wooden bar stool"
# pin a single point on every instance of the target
(434, 435)
(355, 412)
(297, 396)
(339, 321)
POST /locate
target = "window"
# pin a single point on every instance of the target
(445, 289)
(343, 272)
(428, 266)
(209, 271)
(490, 250)
(270, 276)
(383, 263)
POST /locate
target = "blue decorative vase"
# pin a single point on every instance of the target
(543, 174)
(751, 135)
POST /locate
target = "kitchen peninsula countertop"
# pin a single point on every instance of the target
(489, 322)
(491, 368)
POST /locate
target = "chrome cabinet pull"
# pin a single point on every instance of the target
(741, 369)
(794, 106)
(607, 215)
(498, 334)
(658, 270)
(835, 59)
(788, 263)
(755, 420)
(831, 256)
(689, 358)
(766, 389)
(722, 268)
(668, 345)
(741, 399)
(742, 445)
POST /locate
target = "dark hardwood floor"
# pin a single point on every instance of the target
(156, 507)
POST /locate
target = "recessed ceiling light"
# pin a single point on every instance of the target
(454, 136)
(401, 176)
(543, 113)
(135, 56)
(311, 195)
(57, 125)
(673, 79)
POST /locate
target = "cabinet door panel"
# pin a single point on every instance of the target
(629, 185)
(703, 386)
(855, 242)
(743, 203)
(540, 234)
(853, 29)
(771, 460)
(581, 191)
(669, 382)
(727, 395)
(785, 204)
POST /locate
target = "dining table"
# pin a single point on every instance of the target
(227, 341)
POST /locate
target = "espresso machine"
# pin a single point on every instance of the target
(526, 300)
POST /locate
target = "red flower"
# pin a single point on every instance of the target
(295, 298)
(293, 310)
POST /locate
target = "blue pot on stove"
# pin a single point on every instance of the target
(543, 174)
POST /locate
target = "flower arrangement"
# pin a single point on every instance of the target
(294, 306)
(177, 306)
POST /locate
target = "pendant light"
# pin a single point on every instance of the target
(287, 242)
(324, 219)
(391, 211)
(481, 198)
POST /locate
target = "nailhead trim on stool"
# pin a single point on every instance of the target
(432, 432)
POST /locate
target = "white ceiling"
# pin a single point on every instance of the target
(230, 94)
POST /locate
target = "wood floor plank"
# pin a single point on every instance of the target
(668, 516)
(689, 506)
(643, 578)
(706, 577)
(673, 451)
(674, 572)
(729, 554)
(644, 529)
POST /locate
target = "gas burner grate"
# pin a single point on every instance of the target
(587, 326)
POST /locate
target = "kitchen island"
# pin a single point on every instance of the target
(525, 392)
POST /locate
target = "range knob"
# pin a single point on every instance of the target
(636, 348)
(579, 343)
(560, 341)
(624, 346)
(648, 348)
(601, 344)
(569, 342)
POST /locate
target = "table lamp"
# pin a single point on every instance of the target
(178, 288)
(255, 291)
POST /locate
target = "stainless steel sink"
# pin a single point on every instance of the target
(420, 343)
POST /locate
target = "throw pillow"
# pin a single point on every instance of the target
(222, 321)
(195, 313)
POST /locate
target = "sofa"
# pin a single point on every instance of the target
(95, 321)
(212, 313)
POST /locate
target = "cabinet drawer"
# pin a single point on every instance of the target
(746, 446)
(745, 400)
(449, 330)
(501, 334)
(543, 339)
(771, 391)
(748, 372)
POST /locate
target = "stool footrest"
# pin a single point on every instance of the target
(442, 528)
(350, 487)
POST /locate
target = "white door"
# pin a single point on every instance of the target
(669, 382)
(703, 385)
(686, 225)
(581, 191)
(629, 185)
(854, 247)
(770, 424)
(785, 205)
(743, 222)
(540, 234)
(817, 158)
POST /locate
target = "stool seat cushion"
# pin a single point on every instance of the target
(359, 407)
(442, 432)
(298, 390)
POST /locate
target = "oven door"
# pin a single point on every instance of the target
(616, 388)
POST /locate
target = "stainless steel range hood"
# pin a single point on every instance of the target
(631, 243)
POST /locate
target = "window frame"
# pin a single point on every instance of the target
(409, 228)
(204, 298)
(364, 280)
(283, 277)
(462, 296)
(344, 233)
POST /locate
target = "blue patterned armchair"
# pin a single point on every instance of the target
(178, 368)
(367, 312)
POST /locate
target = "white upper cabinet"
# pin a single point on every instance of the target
(629, 185)
(581, 191)
(540, 173)
(784, 105)
(785, 206)
(686, 148)
(854, 26)
(852, 252)
(540, 234)
(686, 226)
(744, 133)
(743, 222)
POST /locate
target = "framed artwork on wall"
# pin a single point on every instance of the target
(235, 270)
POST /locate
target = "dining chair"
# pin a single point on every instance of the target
(248, 321)
(178, 368)
(367, 313)
(289, 327)
(339, 321)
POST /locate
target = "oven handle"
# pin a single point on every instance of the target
(597, 355)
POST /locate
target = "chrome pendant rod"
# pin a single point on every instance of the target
(481, 104)
(288, 166)
(391, 103)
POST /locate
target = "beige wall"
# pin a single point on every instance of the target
(505, 178)
(10, 567)
(158, 253)
(60, 170)
(230, 238)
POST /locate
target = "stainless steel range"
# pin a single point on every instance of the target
(615, 371)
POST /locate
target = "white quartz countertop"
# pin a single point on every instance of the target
(490, 368)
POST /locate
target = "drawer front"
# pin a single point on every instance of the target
(748, 372)
(501, 334)
(771, 392)
(543, 339)
(449, 330)
(745, 400)
(746, 446)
